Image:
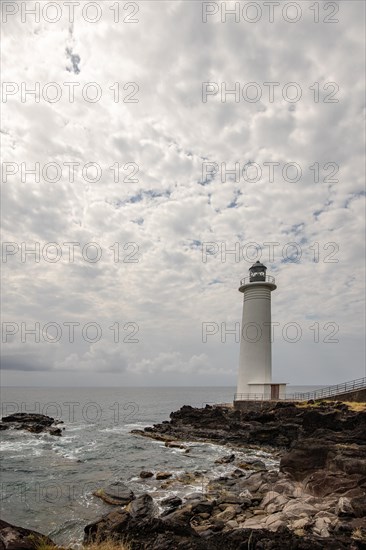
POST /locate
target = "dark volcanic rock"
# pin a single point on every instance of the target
(145, 474)
(323, 483)
(304, 458)
(163, 475)
(225, 459)
(171, 502)
(165, 534)
(326, 437)
(55, 431)
(31, 422)
(116, 493)
(202, 507)
(18, 538)
(314, 419)
(359, 506)
(108, 526)
(143, 507)
(320, 488)
(327, 467)
(277, 427)
(29, 418)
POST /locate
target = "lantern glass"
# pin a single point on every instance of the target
(257, 272)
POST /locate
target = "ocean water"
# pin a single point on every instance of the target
(47, 481)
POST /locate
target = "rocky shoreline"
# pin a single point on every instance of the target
(31, 422)
(316, 499)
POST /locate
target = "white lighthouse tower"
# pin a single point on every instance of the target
(255, 363)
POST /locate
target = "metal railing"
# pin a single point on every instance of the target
(251, 397)
(321, 393)
(267, 279)
(332, 391)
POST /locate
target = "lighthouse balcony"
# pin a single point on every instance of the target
(258, 279)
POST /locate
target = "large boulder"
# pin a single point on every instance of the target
(107, 527)
(142, 507)
(323, 483)
(116, 493)
(170, 504)
(163, 475)
(18, 538)
(203, 506)
(304, 458)
(359, 506)
(145, 474)
(314, 419)
(297, 508)
(344, 507)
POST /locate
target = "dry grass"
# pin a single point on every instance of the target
(347, 446)
(355, 406)
(107, 545)
(359, 534)
(352, 405)
(306, 405)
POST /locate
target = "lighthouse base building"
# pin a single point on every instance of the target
(255, 363)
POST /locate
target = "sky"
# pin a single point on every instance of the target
(165, 147)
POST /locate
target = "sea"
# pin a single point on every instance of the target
(47, 482)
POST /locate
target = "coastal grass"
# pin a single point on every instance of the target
(106, 545)
(355, 406)
(352, 405)
(109, 545)
(358, 534)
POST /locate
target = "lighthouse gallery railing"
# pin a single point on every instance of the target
(247, 280)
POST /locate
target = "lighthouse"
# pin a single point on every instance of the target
(255, 362)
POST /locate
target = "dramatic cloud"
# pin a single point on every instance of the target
(208, 137)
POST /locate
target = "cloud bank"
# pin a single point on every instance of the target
(159, 195)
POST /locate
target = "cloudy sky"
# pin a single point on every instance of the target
(168, 186)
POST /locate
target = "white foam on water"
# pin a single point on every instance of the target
(65, 440)
(116, 429)
(70, 455)
(23, 447)
(136, 425)
(76, 427)
(70, 447)
(124, 428)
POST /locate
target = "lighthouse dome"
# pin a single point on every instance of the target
(257, 272)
